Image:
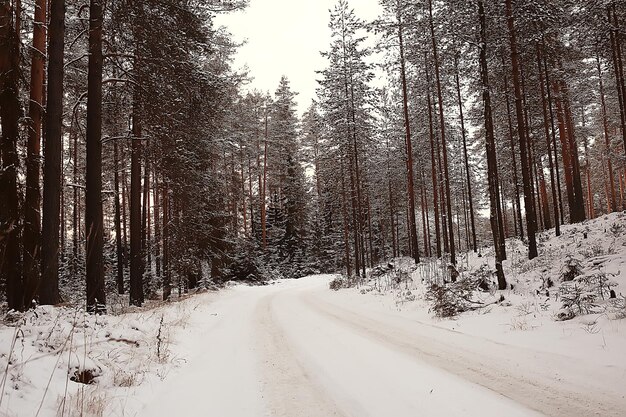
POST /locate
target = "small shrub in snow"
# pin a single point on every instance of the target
(89, 402)
(564, 314)
(339, 282)
(546, 282)
(594, 251)
(448, 300)
(484, 278)
(526, 308)
(125, 379)
(520, 324)
(617, 229)
(591, 327)
(583, 293)
(405, 296)
(571, 269)
(380, 270)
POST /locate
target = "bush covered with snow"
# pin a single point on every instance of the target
(339, 282)
(448, 300)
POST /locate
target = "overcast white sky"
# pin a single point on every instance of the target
(285, 37)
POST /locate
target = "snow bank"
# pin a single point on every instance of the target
(529, 315)
(59, 361)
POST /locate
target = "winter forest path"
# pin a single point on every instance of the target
(292, 349)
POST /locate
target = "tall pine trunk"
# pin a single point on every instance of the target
(10, 259)
(167, 274)
(554, 145)
(146, 269)
(346, 225)
(607, 140)
(544, 105)
(577, 211)
(32, 220)
(618, 69)
(118, 221)
(492, 163)
(444, 145)
(517, 203)
(433, 162)
(264, 187)
(531, 219)
(470, 198)
(49, 287)
(96, 298)
(409, 151)
(136, 255)
(157, 221)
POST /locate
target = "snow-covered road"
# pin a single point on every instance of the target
(295, 348)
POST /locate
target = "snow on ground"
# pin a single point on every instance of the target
(295, 348)
(44, 351)
(527, 317)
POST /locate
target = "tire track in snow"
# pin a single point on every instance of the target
(286, 386)
(367, 378)
(534, 387)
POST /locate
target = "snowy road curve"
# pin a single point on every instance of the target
(291, 349)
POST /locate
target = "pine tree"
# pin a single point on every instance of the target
(344, 95)
(49, 288)
(96, 298)
(10, 259)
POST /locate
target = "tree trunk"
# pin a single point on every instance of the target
(32, 220)
(492, 163)
(146, 269)
(607, 140)
(391, 205)
(577, 212)
(49, 287)
(264, 188)
(442, 199)
(10, 262)
(554, 146)
(76, 201)
(618, 67)
(466, 227)
(505, 220)
(542, 194)
(544, 106)
(591, 214)
(346, 226)
(355, 170)
(433, 161)
(136, 258)
(425, 222)
(517, 204)
(470, 198)
(565, 151)
(96, 298)
(118, 222)
(531, 219)
(444, 145)
(167, 276)
(244, 206)
(409, 151)
(251, 198)
(157, 222)
(530, 151)
(355, 218)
